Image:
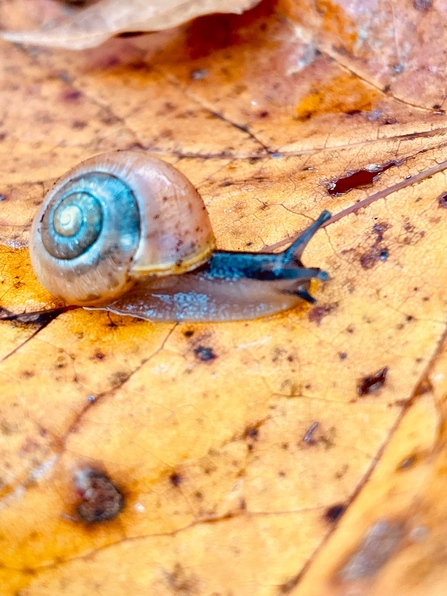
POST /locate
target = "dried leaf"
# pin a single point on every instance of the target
(95, 24)
(238, 458)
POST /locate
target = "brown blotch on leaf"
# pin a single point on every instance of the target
(101, 499)
(182, 582)
(372, 382)
(27, 374)
(380, 543)
(334, 513)
(118, 378)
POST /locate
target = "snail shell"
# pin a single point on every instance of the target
(115, 218)
(125, 219)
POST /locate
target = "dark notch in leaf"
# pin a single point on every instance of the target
(359, 178)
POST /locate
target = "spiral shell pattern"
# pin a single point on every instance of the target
(112, 219)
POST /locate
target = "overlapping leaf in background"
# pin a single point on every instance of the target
(254, 458)
(95, 24)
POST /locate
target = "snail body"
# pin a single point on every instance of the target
(129, 232)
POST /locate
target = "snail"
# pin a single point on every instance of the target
(129, 233)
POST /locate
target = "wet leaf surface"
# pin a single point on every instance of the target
(298, 454)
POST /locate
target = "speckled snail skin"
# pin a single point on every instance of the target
(128, 232)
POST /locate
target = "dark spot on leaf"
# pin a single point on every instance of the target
(373, 382)
(118, 378)
(182, 582)
(188, 333)
(317, 313)
(79, 124)
(369, 259)
(101, 499)
(175, 479)
(423, 5)
(263, 114)
(376, 252)
(251, 432)
(442, 200)
(407, 463)
(358, 179)
(99, 355)
(71, 95)
(204, 354)
(334, 513)
(343, 355)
